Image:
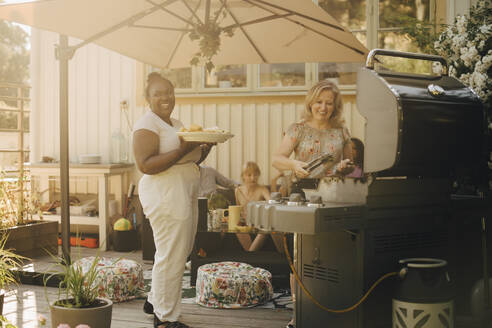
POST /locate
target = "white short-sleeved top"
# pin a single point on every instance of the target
(168, 139)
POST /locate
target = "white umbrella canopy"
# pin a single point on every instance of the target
(156, 32)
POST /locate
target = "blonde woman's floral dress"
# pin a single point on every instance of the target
(311, 143)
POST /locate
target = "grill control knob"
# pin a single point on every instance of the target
(315, 199)
(295, 197)
(276, 196)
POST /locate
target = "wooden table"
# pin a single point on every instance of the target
(117, 173)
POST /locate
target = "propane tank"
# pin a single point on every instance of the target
(424, 295)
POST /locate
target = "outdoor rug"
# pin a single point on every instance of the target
(281, 298)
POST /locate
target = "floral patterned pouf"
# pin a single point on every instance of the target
(231, 285)
(118, 279)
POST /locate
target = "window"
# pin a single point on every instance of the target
(281, 75)
(381, 24)
(349, 13)
(345, 73)
(227, 76)
(14, 122)
(181, 78)
(394, 15)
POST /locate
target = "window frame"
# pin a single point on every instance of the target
(308, 67)
(200, 80)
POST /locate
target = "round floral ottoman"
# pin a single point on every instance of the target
(231, 285)
(117, 279)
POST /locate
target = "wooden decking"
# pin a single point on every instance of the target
(26, 302)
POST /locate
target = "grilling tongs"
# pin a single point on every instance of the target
(315, 163)
(320, 160)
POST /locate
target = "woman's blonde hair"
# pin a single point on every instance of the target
(250, 167)
(312, 96)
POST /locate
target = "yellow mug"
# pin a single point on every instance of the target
(234, 216)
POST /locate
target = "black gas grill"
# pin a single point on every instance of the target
(422, 133)
(419, 125)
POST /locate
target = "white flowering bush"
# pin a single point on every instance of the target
(467, 46)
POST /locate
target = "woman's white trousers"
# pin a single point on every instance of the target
(169, 201)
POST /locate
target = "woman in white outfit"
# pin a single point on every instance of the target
(168, 193)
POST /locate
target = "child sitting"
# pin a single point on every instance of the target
(358, 156)
(251, 191)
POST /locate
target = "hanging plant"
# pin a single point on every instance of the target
(209, 35)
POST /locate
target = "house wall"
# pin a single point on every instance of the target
(457, 7)
(99, 80)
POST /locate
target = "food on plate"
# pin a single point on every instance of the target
(195, 128)
(215, 129)
(198, 128)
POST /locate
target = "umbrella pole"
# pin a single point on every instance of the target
(64, 54)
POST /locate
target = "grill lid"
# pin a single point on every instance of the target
(418, 125)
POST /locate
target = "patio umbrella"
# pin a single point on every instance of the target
(156, 32)
(166, 33)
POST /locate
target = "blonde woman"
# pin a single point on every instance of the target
(321, 131)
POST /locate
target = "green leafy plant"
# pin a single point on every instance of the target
(9, 264)
(209, 36)
(76, 289)
(217, 200)
(422, 34)
(16, 205)
(5, 323)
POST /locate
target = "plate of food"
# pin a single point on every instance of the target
(199, 134)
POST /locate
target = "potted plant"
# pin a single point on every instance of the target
(78, 300)
(27, 237)
(9, 264)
